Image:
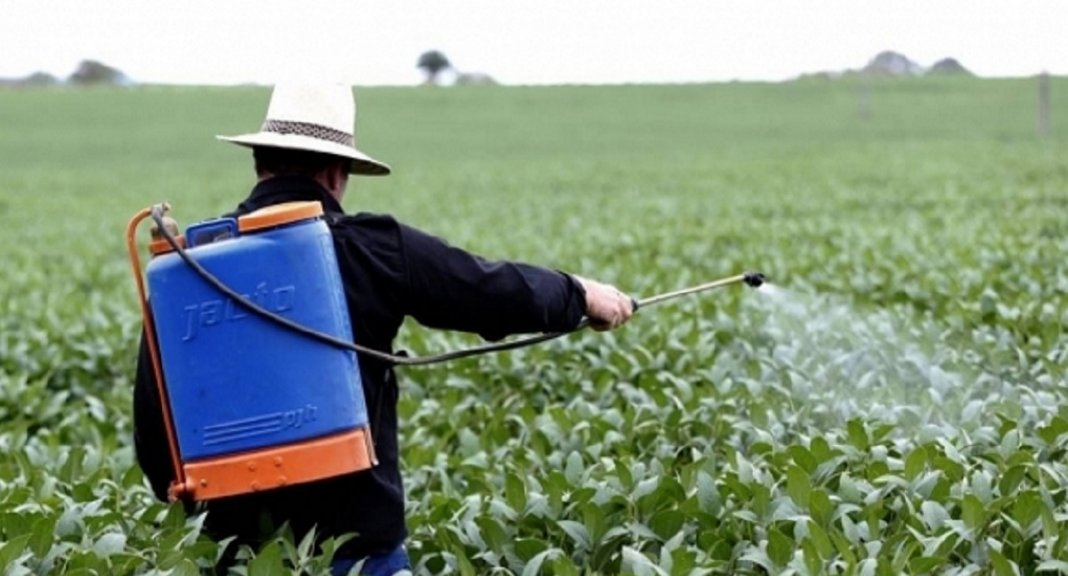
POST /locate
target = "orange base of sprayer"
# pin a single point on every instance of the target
(275, 467)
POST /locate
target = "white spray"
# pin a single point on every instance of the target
(843, 363)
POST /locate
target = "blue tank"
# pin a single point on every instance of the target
(237, 382)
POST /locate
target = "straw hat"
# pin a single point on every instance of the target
(315, 118)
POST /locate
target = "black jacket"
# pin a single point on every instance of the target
(389, 271)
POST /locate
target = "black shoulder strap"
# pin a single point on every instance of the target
(333, 218)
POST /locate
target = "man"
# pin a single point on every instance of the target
(305, 151)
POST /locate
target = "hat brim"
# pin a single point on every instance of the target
(361, 163)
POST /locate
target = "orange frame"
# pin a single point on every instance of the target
(278, 466)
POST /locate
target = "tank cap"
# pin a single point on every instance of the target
(278, 215)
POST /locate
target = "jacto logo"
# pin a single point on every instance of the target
(260, 425)
(203, 315)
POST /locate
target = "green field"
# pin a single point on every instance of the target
(896, 404)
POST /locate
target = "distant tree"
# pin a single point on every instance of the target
(475, 79)
(433, 62)
(890, 63)
(93, 72)
(949, 67)
(39, 79)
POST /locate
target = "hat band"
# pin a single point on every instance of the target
(317, 131)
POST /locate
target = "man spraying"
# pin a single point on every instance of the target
(306, 151)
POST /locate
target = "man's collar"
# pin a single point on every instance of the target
(278, 189)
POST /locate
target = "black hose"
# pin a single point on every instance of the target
(392, 359)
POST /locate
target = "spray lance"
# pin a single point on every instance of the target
(165, 231)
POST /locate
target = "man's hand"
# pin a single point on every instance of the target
(606, 307)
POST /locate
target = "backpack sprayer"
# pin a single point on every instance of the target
(240, 307)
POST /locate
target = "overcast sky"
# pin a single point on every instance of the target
(537, 41)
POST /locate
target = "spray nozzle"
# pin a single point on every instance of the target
(754, 279)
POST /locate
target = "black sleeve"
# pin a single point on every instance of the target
(455, 290)
(150, 435)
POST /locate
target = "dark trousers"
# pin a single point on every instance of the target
(386, 564)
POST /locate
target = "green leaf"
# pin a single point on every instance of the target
(820, 540)
(761, 502)
(13, 549)
(780, 547)
(533, 567)
(593, 519)
(981, 487)
(1026, 508)
(820, 506)
(175, 517)
(1058, 566)
(849, 530)
(463, 562)
(626, 478)
(799, 486)
(645, 487)
(574, 468)
(924, 564)
(640, 531)
(268, 562)
(640, 565)
(683, 561)
(915, 462)
(563, 566)
(109, 543)
(185, 568)
(972, 512)
(42, 535)
(803, 458)
(307, 544)
(492, 533)
(1053, 430)
(1011, 479)
(667, 523)
(811, 556)
(528, 548)
(858, 435)
(953, 469)
(515, 491)
(934, 515)
(760, 558)
(1003, 566)
(820, 450)
(707, 494)
(577, 532)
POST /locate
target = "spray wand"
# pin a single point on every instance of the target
(164, 229)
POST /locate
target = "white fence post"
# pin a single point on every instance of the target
(864, 96)
(1044, 119)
